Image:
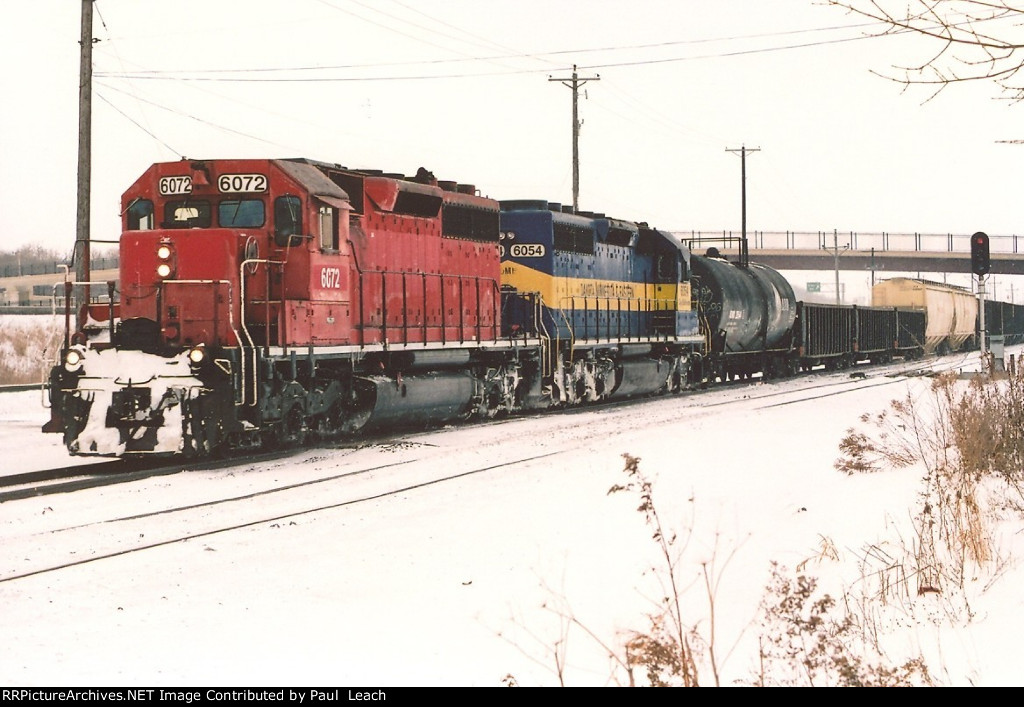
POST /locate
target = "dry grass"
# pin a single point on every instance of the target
(968, 436)
(807, 638)
(28, 345)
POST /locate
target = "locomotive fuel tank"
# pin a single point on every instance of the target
(747, 308)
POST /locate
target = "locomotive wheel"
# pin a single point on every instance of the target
(294, 430)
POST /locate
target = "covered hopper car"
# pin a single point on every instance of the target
(951, 312)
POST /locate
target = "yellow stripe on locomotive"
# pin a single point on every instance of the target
(584, 276)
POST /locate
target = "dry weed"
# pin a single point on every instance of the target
(27, 346)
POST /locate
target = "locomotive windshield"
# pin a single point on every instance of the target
(186, 214)
(241, 213)
(231, 213)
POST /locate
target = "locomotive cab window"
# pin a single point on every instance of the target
(187, 214)
(667, 269)
(287, 221)
(241, 213)
(140, 215)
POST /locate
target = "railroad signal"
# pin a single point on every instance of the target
(979, 253)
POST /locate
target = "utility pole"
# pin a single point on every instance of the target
(743, 196)
(574, 83)
(82, 236)
(836, 252)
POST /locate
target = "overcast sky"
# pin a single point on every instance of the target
(463, 88)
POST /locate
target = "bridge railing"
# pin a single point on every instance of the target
(855, 240)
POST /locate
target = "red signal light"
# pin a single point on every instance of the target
(979, 253)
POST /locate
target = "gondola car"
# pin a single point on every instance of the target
(1004, 319)
(840, 336)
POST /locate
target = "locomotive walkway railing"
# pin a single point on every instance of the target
(381, 307)
(620, 317)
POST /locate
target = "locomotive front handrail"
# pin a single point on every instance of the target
(245, 327)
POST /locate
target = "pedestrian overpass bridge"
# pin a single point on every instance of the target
(850, 250)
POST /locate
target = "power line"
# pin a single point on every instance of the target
(223, 75)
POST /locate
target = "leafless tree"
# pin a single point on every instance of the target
(970, 40)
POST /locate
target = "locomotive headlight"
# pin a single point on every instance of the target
(196, 355)
(165, 254)
(73, 360)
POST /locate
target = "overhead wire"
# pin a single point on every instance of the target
(225, 75)
(257, 74)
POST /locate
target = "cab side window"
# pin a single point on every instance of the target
(667, 268)
(328, 229)
(140, 215)
(287, 220)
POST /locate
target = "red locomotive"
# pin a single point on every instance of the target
(263, 299)
(292, 236)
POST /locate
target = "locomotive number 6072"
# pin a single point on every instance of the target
(175, 185)
(330, 278)
(241, 183)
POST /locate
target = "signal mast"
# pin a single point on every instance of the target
(980, 266)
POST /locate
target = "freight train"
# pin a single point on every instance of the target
(269, 302)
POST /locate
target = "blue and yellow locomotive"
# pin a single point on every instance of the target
(609, 299)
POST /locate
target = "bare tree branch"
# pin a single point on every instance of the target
(974, 40)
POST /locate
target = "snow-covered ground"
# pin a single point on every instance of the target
(478, 555)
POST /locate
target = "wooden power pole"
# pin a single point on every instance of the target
(574, 83)
(743, 196)
(82, 235)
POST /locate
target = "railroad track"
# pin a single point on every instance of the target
(22, 387)
(340, 475)
(136, 518)
(66, 479)
(73, 478)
